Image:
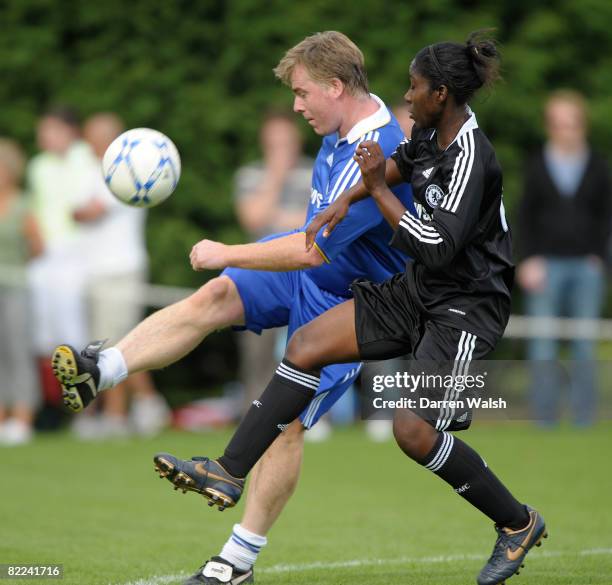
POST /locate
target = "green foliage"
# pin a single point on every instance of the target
(202, 72)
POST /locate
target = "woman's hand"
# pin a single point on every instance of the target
(330, 216)
(371, 160)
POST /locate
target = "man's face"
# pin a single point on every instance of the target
(280, 136)
(99, 133)
(54, 135)
(565, 123)
(424, 106)
(316, 102)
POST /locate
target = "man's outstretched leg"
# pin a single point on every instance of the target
(272, 483)
(160, 340)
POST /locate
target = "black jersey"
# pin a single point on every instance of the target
(462, 271)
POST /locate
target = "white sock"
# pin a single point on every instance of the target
(242, 548)
(113, 369)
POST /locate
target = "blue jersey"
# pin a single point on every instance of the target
(359, 246)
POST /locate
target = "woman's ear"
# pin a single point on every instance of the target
(441, 93)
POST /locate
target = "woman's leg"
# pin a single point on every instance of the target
(443, 453)
(328, 339)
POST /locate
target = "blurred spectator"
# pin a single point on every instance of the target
(271, 196)
(114, 260)
(20, 240)
(55, 178)
(564, 223)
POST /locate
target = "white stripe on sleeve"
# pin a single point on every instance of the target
(460, 178)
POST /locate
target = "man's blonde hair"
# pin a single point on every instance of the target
(326, 56)
(12, 157)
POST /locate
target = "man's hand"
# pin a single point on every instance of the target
(531, 274)
(208, 255)
(330, 216)
(371, 160)
(92, 211)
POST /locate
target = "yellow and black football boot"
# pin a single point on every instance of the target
(78, 374)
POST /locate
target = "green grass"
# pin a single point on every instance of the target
(101, 511)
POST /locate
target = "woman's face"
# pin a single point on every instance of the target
(423, 102)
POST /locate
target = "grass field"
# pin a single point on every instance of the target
(363, 513)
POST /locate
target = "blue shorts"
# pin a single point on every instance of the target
(276, 299)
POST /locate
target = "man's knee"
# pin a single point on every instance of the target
(414, 436)
(219, 298)
(215, 290)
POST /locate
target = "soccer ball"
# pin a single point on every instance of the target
(141, 167)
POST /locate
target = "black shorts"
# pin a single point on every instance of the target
(389, 324)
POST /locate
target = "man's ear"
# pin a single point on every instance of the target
(336, 87)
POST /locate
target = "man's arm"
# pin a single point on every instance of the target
(278, 255)
(90, 212)
(31, 230)
(531, 271)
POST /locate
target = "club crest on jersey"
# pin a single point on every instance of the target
(434, 195)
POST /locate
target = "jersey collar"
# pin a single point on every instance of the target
(470, 124)
(378, 119)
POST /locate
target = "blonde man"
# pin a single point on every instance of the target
(271, 283)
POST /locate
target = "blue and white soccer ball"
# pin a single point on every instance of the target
(141, 167)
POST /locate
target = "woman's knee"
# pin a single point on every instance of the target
(303, 350)
(414, 436)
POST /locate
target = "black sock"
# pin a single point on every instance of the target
(467, 472)
(287, 395)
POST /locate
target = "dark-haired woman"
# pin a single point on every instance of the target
(451, 305)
